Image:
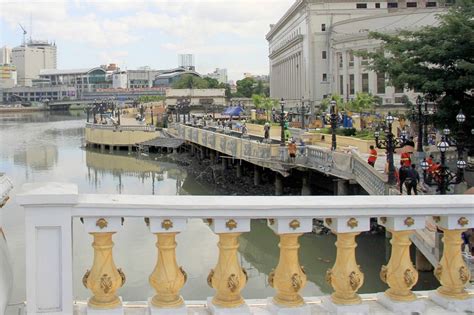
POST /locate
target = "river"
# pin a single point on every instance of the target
(42, 146)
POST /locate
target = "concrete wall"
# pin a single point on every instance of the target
(118, 138)
(342, 141)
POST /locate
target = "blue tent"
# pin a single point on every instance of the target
(233, 111)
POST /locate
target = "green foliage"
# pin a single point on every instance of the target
(249, 86)
(363, 102)
(150, 98)
(324, 106)
(263, 102)
(435, 60)
(211, 83)
(189, 81)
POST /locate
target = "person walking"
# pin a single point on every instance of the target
(266, 131)
(372, 156)
(412, 179)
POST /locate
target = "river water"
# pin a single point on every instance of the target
(42, 146)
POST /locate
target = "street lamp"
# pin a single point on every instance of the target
(419, 145)
(390, 143)
(443, 177)
(282, 120)
(303, 110)
(333, 124)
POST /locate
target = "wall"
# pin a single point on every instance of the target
(119, 138)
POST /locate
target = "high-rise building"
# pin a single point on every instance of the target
(5, 55)
(186, 61)
(218, 74)
(32, 57)
(8, 76)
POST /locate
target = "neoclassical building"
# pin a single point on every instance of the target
(311, 48)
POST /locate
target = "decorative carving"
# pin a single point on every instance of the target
(463, 221)
(101, 223)
(185, 275)
(409, 221)
(352, 223)
(85, 277)
(246, 275)
(464, 275)
(147, 221)
(231, 224)
(294, 224)
(438, 271)
(328, 221)
(166, 224)
(271, 221)
(409, 277)
(328, 277)
(354, 280)
(383, 220)
(296, 282)
(383, 273)
(122, 275)
(105, 283)
(122, 220)
(233, 282)
(437, 218)
(209, 277)
(209, 221)
(271, 277)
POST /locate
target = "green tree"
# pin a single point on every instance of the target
(363, 102)
(189, 81)
(212, 83)
(245, 87)
(324, 106)
(435, 60)
(265, 103)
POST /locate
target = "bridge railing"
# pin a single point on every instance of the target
(51, 207)
(122, 127)
(368, 177)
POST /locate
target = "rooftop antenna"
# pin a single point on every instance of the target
(24, 34)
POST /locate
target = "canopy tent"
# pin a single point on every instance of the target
(233, 111)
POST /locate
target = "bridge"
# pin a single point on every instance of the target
(50, 209)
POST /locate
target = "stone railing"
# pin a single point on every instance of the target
(122, 127)
(50, 208)
(370, 179)
(6, 279)
(6, 186)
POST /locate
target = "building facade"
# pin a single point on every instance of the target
(141, 78)
(198, 97)
(168, 77)
(5, 55)
(37, 93)
(186, 61)
(8, 76)
(32, 57)
(219, 74)
(311, 48)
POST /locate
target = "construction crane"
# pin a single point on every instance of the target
(24, 34)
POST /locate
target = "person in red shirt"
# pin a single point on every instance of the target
(372, 156)
(405, 159)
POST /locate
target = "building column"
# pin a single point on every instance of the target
(257, 176)
(305, 189)
(278, 184)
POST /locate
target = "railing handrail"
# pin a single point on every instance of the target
(240, 206)
(121, 127)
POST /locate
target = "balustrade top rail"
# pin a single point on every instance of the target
(121, 127)
(41, 194)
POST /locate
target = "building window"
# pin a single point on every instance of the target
(324, 54)
(398, 89)
(361, 5)
(377, 5)
(411, 4)
(323, 27)
(341, 84)
(380, 83)
(430, 4)
(339, 58)
(325, 77)
(351, 84)
(351, 59)
(365, 82)
(392, 5)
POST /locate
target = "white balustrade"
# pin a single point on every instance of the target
(50, 208)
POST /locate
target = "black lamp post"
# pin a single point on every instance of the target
(303, 110)
(443, 177)
(419, 145)
(390, 143)
(282, 120)
(333, 124)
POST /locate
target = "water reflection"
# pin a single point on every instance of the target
(37, 158)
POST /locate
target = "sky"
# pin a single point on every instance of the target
(135, 33)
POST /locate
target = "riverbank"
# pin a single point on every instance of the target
(20, 109)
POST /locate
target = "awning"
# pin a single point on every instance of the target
(233, 111)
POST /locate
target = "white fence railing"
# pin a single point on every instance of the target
(50, 208)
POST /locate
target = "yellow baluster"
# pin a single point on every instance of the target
(399, 274)
(452, 272)
(345, 276)
(288, 278)
(228, 278)
(167, 278)
(104, 278)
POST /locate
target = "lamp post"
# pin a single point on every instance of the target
(282, 120)
(419, 145)
(390, 143)
(442, 177)
(303, 110)
(333, 124)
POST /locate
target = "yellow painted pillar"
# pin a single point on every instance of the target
(400, 274)
(167, 278)
(228, 278)
(104, 278)
(345, 276)
(452, 272)
(289, 277)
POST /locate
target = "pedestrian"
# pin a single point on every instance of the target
(402, 175)
(266, 131)
(372, 156)
(292, 150)
(287, 134)
(412, 179)
(302, 146)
